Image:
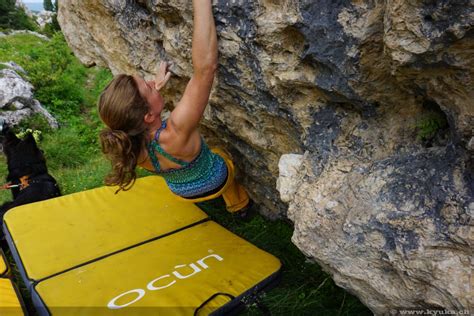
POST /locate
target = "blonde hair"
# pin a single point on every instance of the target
(122, 109)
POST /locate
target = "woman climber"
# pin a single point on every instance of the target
(136, 135)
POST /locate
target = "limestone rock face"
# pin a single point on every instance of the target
(16, 97)
(369, 105)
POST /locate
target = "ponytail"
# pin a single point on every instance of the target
(122, 151)
(122, 109)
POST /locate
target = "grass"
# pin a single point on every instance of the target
(74, 159)
(19, 47)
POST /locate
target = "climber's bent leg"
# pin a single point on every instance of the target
(235, 197)
(234, 194)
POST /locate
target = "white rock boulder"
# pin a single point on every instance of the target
(17, 101)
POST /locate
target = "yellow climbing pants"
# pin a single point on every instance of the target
(234, 194)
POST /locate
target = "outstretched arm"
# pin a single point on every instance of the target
(187, 114)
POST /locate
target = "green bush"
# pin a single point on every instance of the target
(56, 74)
(430, 125)
(101, 77)
(37, 122)
(52, 28)
(15, 18)
(20, 48)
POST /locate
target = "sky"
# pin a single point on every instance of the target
(32, 1)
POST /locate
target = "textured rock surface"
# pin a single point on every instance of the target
(352, 85)
(16, 97)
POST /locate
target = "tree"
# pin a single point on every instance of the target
(54, 25)
(12, 17)
(6, 9)
(48, 5)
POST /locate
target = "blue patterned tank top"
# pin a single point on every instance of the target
(205, 173)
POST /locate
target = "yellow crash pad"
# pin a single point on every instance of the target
(10, 303)
(168, 276)
(3, 264)
(52, 236)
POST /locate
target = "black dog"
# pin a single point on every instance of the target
(26, 170)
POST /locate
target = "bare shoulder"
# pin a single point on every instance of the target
(181, 143)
